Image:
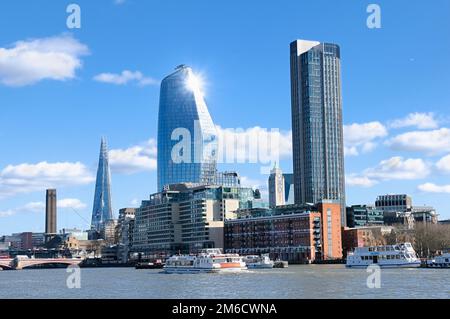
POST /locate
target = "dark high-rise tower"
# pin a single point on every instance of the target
(317, 127)
(50, 214)
(102, 211)
(187, 137)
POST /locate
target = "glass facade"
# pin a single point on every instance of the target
(318, 148)
(187, 138)
(102, 210)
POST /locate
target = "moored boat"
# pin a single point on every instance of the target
(390, 256)
(258, 262)
(157, 264)
(208, 260)
(441, 261)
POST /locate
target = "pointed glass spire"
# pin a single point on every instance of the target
(102, 211)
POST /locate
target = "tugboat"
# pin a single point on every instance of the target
(391, 256)
(211, 260)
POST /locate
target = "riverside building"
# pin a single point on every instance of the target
(296, 233)
(187, 218)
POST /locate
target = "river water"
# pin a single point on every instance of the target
(295, 282)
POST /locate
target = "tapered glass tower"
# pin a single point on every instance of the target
(102, 211)
(187, 137)
(317, 127)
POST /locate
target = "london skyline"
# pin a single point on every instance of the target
(394, 106)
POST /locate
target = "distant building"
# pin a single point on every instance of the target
(186, 218)
(125, 229)
(37, 239)
(102, 208)
(289, 191)
(424, 214)
(50, 214)
(276, 188)
(394, 203)
(445, 222)
(363, 215)
(399, 209)
(299, 234)
(317, 125)
(399, 218)
(108, 232)
(364, 237)
(76, 233)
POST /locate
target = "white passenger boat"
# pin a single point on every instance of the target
(391, 256)
(209, 260)
(258, 262)
(441, 261)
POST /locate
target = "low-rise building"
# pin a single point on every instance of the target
(298, 234)
(364, 215)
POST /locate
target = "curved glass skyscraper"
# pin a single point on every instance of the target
(187, 137)
(102, 211)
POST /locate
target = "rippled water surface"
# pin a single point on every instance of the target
(309, 281)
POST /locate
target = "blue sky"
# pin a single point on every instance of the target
(57, 102)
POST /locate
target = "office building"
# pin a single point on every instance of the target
(364, 215)
(50, 214)
(317, 125)
(102, 209)
(187, 137)
(394, 203)
(298, 234)
(289, 192)
(186, 218)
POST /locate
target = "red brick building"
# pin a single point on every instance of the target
(298, 234)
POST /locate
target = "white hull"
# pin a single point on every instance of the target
(189, 270)
(385, 266)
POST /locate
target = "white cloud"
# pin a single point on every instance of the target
(126, 77)
(7, 213)
(71, 203)
(400, 169)
(444, 164)
(38, 207)
(26, 178)
(134, 159)
(28, 62)
(422, 121)
(253, 183)
(253, 145)
(430, 142)
(395, 168)
(433, 188)
(361, 181)
(361, 137)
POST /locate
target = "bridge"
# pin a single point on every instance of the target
(22, 263)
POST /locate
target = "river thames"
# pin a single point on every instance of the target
(295, 282)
